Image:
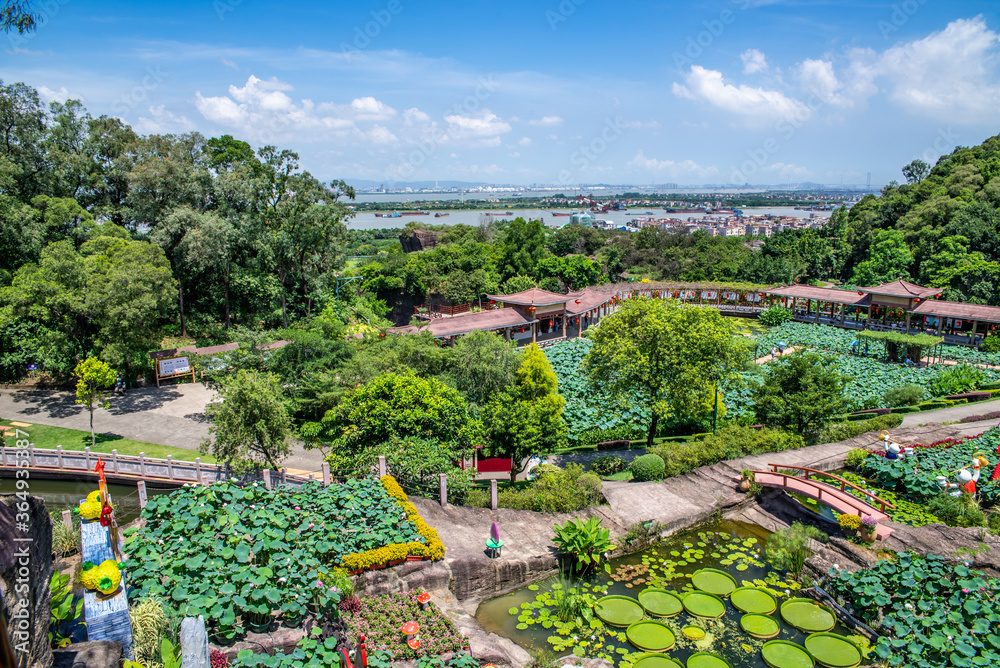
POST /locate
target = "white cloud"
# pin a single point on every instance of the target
(229, 63)
(684, 168)
(368, 108)
(818, 79)
(414, 116)
(547, 121)
(753, 61)
(524, 141)
(756, 105)
(486, 124)
(162, 121)
(60, 95)
(948, 74)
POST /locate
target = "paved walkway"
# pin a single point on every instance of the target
(171, 415)
(953, 413)
(767, 358)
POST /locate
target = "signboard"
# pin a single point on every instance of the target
(32, 367)
(174, 365)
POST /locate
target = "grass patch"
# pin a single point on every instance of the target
(47, 438)
(623, 476)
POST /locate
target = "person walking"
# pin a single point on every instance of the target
(773, 352)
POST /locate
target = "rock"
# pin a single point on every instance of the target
(518, 656)
(194, 643)
(281, 639)
(26, 561)
(420, 240)
(431, 576)
(92, 654)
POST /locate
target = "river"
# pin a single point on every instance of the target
(368, 221)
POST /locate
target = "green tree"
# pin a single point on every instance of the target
(93, 378)
(801, 392)
(667, 352)
(889, 258)
(916, 171)
(527, 419)
(520, 249)
(518, 283)
(395, 406)
(250, 426)
(483, 365)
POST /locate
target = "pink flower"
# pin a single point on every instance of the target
(311, 525)
(964, 590)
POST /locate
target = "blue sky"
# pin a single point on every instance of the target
(548, 91)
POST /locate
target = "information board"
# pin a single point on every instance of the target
(173, 366)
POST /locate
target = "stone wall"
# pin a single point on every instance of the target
(25, 573)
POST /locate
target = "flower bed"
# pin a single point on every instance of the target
(380, 619)
(905, 512)
(236, 554)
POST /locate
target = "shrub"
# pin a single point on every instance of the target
(904, 395)
(732, 441)
(873, 411)
(961, 511)
(993, 522)
(555, 491)
(970, 397)
(614, 445)
(990, 386)
(647, 467)
(957, 379)
(991, 344)
(849, 522)
(583, 541)
(856, 458)
(933, 405)
(992, 415)
(775, 316)
(608, 465)
(65, 539)
(788, 548)
(845, 430)
(149, 628)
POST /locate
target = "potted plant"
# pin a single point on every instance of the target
(849, 524)
(866, 531)
(746, 478)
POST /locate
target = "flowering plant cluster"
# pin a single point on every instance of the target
(869, 522)
(850, 522)
(381, 619)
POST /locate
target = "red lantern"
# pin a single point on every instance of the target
(760, 294)
(578, 301)
(552, 322)
(577, 321)
(860, 293)
(522, 330)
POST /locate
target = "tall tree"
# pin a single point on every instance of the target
(527, 418)
(484, 365)
(801, 392)
(250, 425)
(889, 258)
(93, 378)
(521, 247)
(916, 171)
(668, 352)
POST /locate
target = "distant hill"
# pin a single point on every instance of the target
(942, 228)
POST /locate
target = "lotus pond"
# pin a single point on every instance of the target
(685, 598)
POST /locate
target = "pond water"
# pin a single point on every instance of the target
(60, 495)
(735, 548)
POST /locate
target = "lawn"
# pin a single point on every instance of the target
(46, 437)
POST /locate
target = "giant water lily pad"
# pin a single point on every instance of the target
(650, 635)
(833, 650)
(660, 602)
(785, 654)
(753, 600)
(713, 581)
(807, 615)
(656, 661)
(707, 660)
(693, 632)
(760, 626)
(618, 610)
(703, 604)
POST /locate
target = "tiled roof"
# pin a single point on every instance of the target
(469, 322)
(535, 297)
(590, 299)
(849, 297)
(957, 310)
(901, 288)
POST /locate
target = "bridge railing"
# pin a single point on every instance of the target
(844, 484)
(141, 466)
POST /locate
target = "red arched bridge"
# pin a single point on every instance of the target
(839, 499)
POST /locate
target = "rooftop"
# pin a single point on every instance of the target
(469, 322)
(535, 297)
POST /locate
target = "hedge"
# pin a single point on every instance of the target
(841, 432)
